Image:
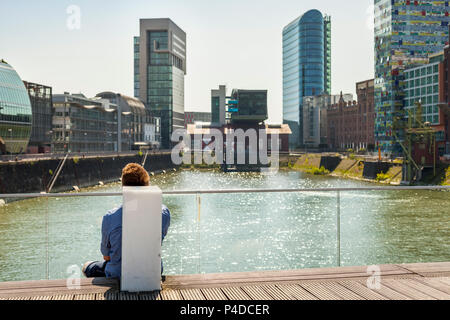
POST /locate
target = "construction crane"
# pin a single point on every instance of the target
(417, 131)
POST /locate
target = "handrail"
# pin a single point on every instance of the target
(225, 191)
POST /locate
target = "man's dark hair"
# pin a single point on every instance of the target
(134, 175)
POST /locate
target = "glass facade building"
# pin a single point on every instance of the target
(160, 67)
(83, 125)
(306, 67)
(15, 112)
(406, 33)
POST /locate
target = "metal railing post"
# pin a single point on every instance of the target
(338, 228)
(199, 211)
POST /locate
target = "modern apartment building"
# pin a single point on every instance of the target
(428, 85)
(406, 33)
(81, 124)
(15, 112)
(306, 67)
(248, 106)
(159, 71)
(135, 123)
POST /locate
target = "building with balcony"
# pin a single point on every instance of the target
(406, 33)
(306, 67)
(81, 124)
(136, 124)
(15, 112)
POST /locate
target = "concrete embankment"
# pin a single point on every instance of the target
(346, 167)
(35, 176)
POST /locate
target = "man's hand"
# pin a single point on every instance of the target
(107, 258)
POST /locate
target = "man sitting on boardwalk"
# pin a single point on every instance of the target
(133, 175)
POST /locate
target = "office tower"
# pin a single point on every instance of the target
(218, 105)
(15, 112)
(406, 33)
(306, 67)
(160, 67)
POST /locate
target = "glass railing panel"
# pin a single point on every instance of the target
(75, 231)
(180, 249)
(267, 231)
(382, 227)
(23, 240)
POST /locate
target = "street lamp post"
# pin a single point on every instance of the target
(10, 138)
(50, 134)
(86, 142)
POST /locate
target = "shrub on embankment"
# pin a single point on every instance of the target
(352, 167)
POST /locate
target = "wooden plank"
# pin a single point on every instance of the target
(41, 298)
(90, 296)
(257, 293)
(435, 283)
(61, 284)
(396, 285)
(63, 297)
(320, 291)
(235, 293)
(277, 293)
(362, 290)
(296, 292)
(388, 292)
(171, 295)
(445, 280)
(19, 298)
(110, 295)
(127, 296)
(428, 269)
(424, 288)
(214, 294)
(150, 296)
(277, 276)
(341, 291)
(100, 296)
(192, 294)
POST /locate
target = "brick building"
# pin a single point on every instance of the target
(351, 124)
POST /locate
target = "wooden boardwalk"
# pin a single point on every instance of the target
(423, 281)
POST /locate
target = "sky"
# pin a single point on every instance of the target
(235, 42)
